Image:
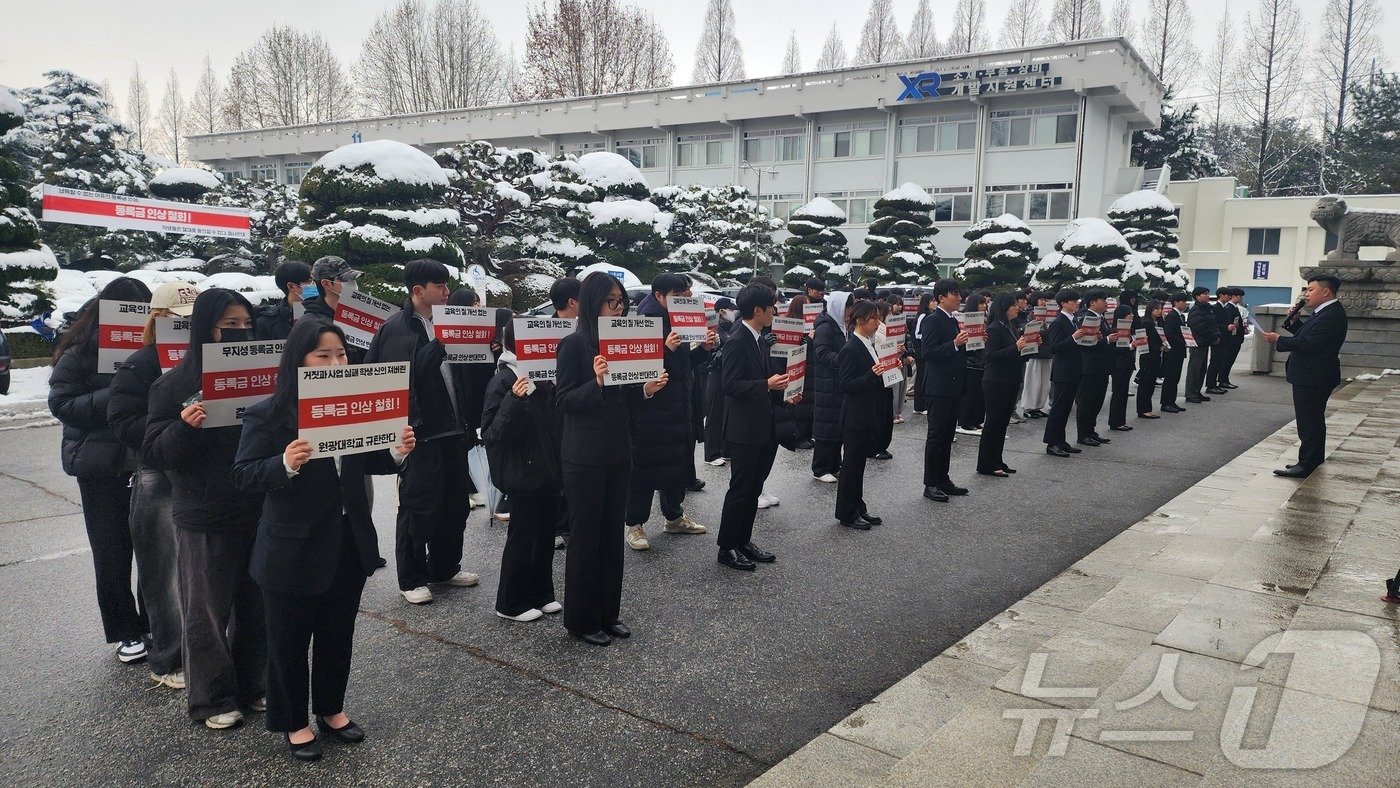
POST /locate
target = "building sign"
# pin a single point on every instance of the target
(977, 82)
(1261, 269)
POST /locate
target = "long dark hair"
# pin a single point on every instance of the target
(82, 334)
(974, 302)
(208, 308)
(924, 301)
(595, 290)
(1153, 305)
(858, 311)
(795, 305)
(305, 336)
(1001, 305)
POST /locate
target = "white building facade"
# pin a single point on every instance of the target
(1043, 133)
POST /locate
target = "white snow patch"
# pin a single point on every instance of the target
(820, 207)
(177, 264)
(603, 169)
(423, 217)
(9, 103)
(628, 212)
(910, 192)
(507, 192)
(42, 258)
(28, 385)
(1146, 199)
(176, 175)
(391, 161)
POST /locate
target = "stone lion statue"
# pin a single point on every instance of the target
(1357, 227)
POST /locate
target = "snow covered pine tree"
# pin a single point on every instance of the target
(899, 248)
(718, 231)
(1089, 253)
(1147, 221)
(25, 264)
(816, 247)
(1000, 255)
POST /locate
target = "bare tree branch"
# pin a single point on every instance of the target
(880, 39)
(1273, 44)
(833, 51)
(591, 47)
(792, 59)
(138, 109)
(923, 37)
(1166, 37)
(718, 56)
(1071, 20)
(970, 33)
(1023, 26)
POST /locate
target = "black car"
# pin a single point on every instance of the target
(4, 365)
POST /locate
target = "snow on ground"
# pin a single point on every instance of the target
(174, 175)
(391, 161)
(28, 385)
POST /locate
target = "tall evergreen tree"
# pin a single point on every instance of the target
(1089, 253)
(816, 247)
(26, 265)
(1000, 254)
(1368, 146)
(899, 246)
(1147, 221)
(1176, 143)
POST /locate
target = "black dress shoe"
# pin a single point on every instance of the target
(1087, 442)
(697, 485)
(736, 560)
(350, 734)
(1101, 439)
(1056, 451)
(1120, 428)
(935, 494)
(618, 630)
(1173, 409)
(1071, 449)
(1228, 386)
(884, 455)
(1148, 416)
(1008, 470)
(599, 638)
(999, 473)
(952, 489)
(1195, 400)
(309, 751)
(870, 518)
(752, 552)
(1217, 390)
(859, 523)
(1295, 472)
(803, 445)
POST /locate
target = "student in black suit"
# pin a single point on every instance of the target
(1151, 361)
(1201, 320)
(942, 350)
(1001, 381)
(1235, 340)
(1066, 370)
(596, 452)
(749, 437)
(1097, 366)
(1314, 369)
(315, 546)
(1227, 324)
(862, 389)
(1174, 356)
(1124, 362)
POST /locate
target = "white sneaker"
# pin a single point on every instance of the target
(502, 517)
(463, 580)
(684, 525)
(826, 477)
(920, 413)
(765, 500)
(551, 608)
(477, 500)
(228, 719)
(418, 596)
(637, 538)
(962, 431)
(558, 542)
(529, 615)
(717, 461)
(1017, 420)
(131, 651)
(175, 680)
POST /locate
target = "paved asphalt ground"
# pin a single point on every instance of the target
(727, 672)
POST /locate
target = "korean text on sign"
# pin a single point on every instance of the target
(788, 331)
(119, 325)
(172, 340)
(888, 351)
(360, 315)
(895, 327)
(796, 371)
(537, 345)
(632, 347)
(352, 409)
(810, 313)
(687, 318)
(237, 375)
(975, 324)
(467, 332)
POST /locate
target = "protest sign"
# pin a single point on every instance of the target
(120, 212)
(1123, 337)
(1140, 340)
(1032, 331)
(467, 332)
(975, 324)
(796, 371)
(633, 347)
(1188, 335)
(120, 325)
(1090, 321)
(687, 317)
(172, 340)
(537, 345)
(788, 331)
(911, 304)
(236, 376)
(896, 327)
(360, 315)
(887, 351)
(810, 312)
(352, 409)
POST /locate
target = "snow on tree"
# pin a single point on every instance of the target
(718, 56)
(1000, 253)
(816, 247)
(899, 247)
(1147, 220)
(1089, 253)
(377, 204)
(718, 231)
(1176, 143)
(615, 217)
(26, 265)
(184, 183)
(483, 188)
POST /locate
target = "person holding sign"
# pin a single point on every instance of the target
(802, 413)
(1096, 369)
(1001, 381)
(332, 277)
(92, 452)
(1174, 356)
(1035, 389)
(596, 456)
(1066, 371)
(1124, 359)
(215, 525)
(829, 337)
(942, 350)
(974, 323)
(861, 382)
(315, 546)
(1201, 321)
(1151, 360)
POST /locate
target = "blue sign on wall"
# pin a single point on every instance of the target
(1261, 269)
(920, 86)
(355, 137)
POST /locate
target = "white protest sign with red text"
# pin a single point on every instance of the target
(120, 325)
(360, 315)
(237, 375)
(466, 332)
(1123, 337)
(796, 371)
(120, 212)
(810, 312)
(895, 327)
(172, 340)
(1032, 332)
(975, 324)
(352, 409)
(537, 345)
(911, 304)
(888, 351)
(687, 317)
(788, 331)
(633, 347)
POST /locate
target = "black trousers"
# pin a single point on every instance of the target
(639, 503)
(714, 417)
(1232, 354)
(1310, 408)
(973, 410)
(1147, 381)
(323, 623)
(1088, 403)
(938, 442)
(1196, 367)
(1000, 401)
(1118, 399)
(107, 516)
(748, 470)
(527, 561)
(698, 383)
(883, 438)
(920, 380)
(1062, 397)
(224, 625)
(593, 564)
(432, 514)
(826, 457)
(850, 484)
(1221, 357)
(1171, 377)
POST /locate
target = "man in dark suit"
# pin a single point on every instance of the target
(1097, 367)
(1227, 319)
(1201, 320)
(943, 349)
(1314, 369)
(749, 438)
(1235, 339)
(1066, 368)
(1174, 357)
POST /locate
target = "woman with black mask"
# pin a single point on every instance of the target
(315, 546)
(93, 453)
(222, 610)
(1001, 381)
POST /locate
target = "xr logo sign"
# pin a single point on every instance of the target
(920, 86)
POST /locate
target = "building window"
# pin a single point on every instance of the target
(1263, 241)
(858, 205)
(1031, 202)
(776, 145)
(937, 134)
(296, 171)
(1040, 126)
(580, 148)
(781, 206)
(644, 154)
(952, 204)
(231, 173)
(850, 140)
(704, 150)
(262, 172)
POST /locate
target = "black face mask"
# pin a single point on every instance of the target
(234, 335)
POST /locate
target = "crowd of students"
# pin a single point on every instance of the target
(252, 552)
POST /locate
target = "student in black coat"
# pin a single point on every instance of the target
(972, 410)
(274, 321)
(1001, 381)
(1314, 369)
(714, 394)
(1227, 324)
(926, 305)
(1201, 320)
(1174, 356)
(1235, 339)
(1066, 372)
(802, 414)
(315, 546)
(92, 452)
(829, 337)
(1124, 362)
(942, 350)
(1150, 362)
(862, 390)
(1097, 366)
(596, 451)
(332, 275)
(221, 608)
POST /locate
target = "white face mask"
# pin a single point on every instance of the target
(727, 314)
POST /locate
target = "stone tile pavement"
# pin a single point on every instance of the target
(1236, 636)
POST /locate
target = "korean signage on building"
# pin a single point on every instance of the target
(976, 82)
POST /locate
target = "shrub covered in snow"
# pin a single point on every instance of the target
(495, 214)
(26, 266)
(899, 247)
(1000, 254)
(716, 230)
(184, 183)
(1088, 253)
(816, 245)
(1148, 222)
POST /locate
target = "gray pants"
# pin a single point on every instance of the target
(225, 629)
(158, 574)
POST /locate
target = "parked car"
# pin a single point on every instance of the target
(4, 365)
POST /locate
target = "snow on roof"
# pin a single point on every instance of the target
(911, 192)
(392, 161)
(603, 169)
(174, 175)
(9, 103)
(821, 207)
(1147, 199)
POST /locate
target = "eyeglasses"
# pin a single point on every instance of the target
(614, 303)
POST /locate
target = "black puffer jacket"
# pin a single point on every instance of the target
(663, 449)
(131, 394)
(273, 321)
(78, 397)
(403, 337)
(317, 309)
(822, 365)
(522, 438)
